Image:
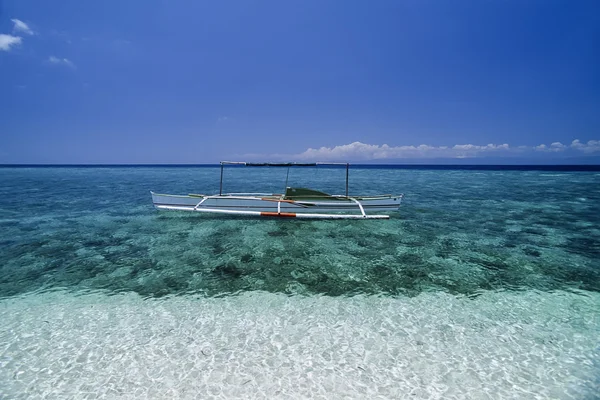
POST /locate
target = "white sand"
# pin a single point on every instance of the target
(260, 345)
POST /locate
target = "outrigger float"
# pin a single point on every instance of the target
(294, 203)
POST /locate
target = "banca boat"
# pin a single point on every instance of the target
(295, 202)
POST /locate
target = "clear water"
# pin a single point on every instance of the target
(486, 284)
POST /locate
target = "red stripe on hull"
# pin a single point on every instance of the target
(274, 214)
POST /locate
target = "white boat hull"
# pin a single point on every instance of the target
(275, 206)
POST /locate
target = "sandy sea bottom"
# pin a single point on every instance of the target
(500, 344)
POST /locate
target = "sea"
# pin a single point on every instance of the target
(484, 285)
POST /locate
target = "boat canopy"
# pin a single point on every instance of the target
(280, 164)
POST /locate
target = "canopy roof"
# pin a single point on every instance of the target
(279, 164)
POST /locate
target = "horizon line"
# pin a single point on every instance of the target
(588, 167)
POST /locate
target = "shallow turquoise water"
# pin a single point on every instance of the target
(459, 232)
(486, 284)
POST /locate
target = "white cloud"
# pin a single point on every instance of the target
(591, 146)
(472, 147)
(7, 41)
(362, 152)
(554, 147)
(21, 27)
(61, 61)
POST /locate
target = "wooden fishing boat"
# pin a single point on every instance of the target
(295, 202)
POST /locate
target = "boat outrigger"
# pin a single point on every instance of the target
(294, 203)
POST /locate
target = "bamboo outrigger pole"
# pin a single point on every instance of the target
(277, 214)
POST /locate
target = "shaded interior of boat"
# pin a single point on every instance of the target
(292, 193)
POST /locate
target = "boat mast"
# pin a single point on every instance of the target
(221, 184)
(286, 179)
(347, 167)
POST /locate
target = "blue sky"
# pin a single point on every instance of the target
(385, 81)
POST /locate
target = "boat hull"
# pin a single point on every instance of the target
(271, 204)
